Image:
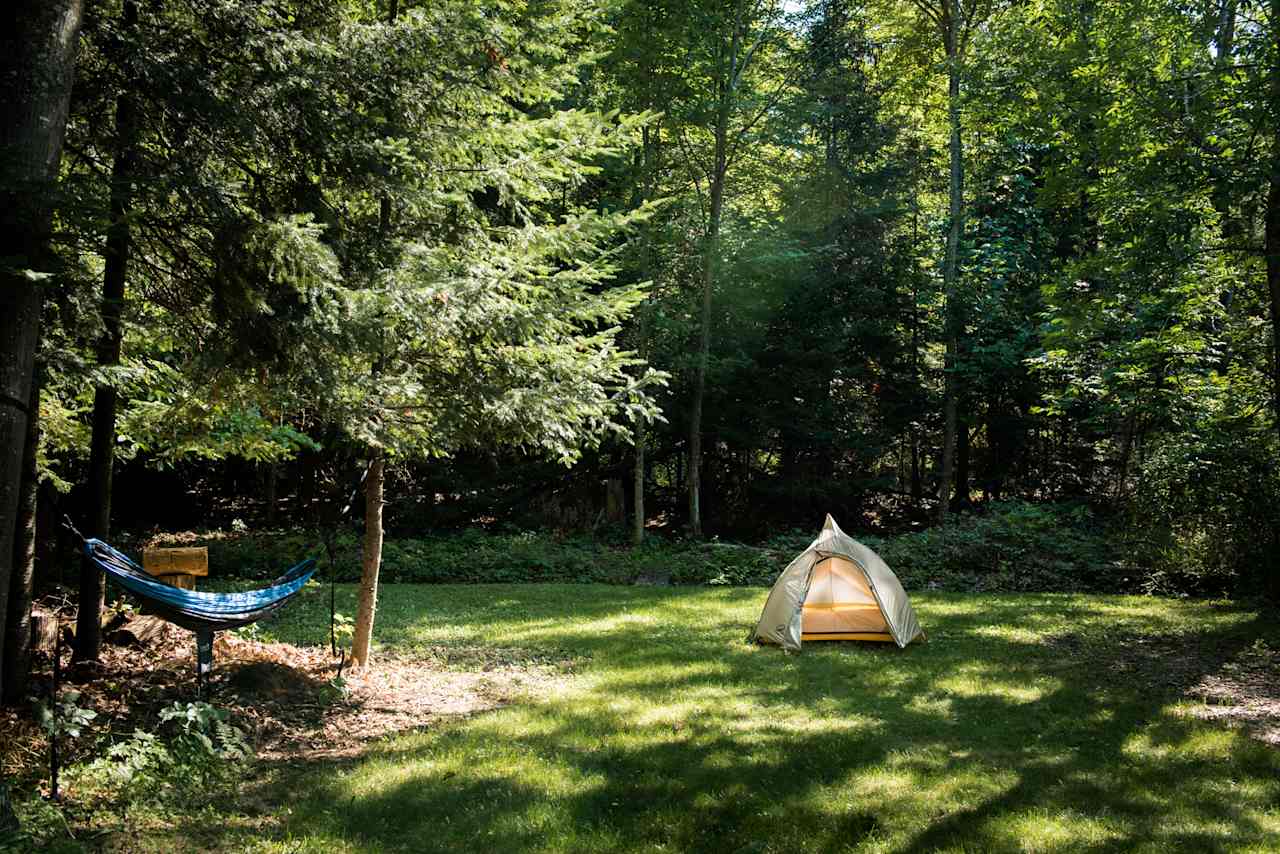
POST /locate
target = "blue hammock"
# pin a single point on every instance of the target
(201, 612)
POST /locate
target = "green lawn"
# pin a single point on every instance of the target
(1026, 723)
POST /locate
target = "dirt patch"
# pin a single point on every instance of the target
(293, 703)
(289, 700)
(1244, 691)
(1237, 687)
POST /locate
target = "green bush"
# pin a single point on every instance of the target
(1010, 546)
(1206, 517)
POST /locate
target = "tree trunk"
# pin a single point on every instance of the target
(1272, 248)
(17, 627)
(637, 516)
(1272, 227)
(105, 399)
(917, 481)
(962, 465)
(372, 563)
(720, 168)
(704, 340)
(37, 62)
(951, 264)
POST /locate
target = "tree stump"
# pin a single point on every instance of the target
(44, 630)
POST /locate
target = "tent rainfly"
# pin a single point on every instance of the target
(837, 589)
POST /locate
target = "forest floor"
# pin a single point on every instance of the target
(594, 718)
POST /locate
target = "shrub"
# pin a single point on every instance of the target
(1206, 519)
(1010, 546)
(194, 750)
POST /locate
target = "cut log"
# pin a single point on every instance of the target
(136, 630)
(44, 630)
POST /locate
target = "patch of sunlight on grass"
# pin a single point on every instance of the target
(798, 723)
(977, 680)
(671, 734)
(1014, 634)
(941, 707)
(1200, 742)
(1041, 830)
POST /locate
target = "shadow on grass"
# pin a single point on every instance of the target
(1026, 722)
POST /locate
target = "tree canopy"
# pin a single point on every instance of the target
(890, 260)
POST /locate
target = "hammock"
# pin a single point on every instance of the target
(202, 612)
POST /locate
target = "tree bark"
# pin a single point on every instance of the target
(371, 563)
(1272, 249)
(726, 97)
(362, 640)
(951, 264)
(102, 443)
(17, 627)
(704, 339)
(37, 62)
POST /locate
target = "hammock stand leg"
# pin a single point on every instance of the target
(204, 658)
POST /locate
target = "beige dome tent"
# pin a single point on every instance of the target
(837, 589)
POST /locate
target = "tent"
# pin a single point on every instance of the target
(837, 589)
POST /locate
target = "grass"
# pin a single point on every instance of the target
(1026, 723)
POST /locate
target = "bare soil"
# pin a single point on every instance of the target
(289, 700)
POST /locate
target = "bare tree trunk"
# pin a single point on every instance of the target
(917, 481)
(17, 628)
(951, 264)
(105, 399)
(963, 448)
(1272, 248)
(1272, 226)
(372, 563)
(704, 340)
(720, 168)
(37, 62)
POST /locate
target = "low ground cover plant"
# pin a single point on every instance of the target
(1011, 546)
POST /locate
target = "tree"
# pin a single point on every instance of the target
(479, 313)
(727, 46)
(38, 63)
(115, 272)
(955, 20)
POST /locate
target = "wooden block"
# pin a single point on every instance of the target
(181, 561)
(186, 582)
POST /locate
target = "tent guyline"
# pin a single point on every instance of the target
(837, 589)
(201, 612)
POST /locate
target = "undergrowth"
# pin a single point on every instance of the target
(1010, 547)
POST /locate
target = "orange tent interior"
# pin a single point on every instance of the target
(841, 606)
